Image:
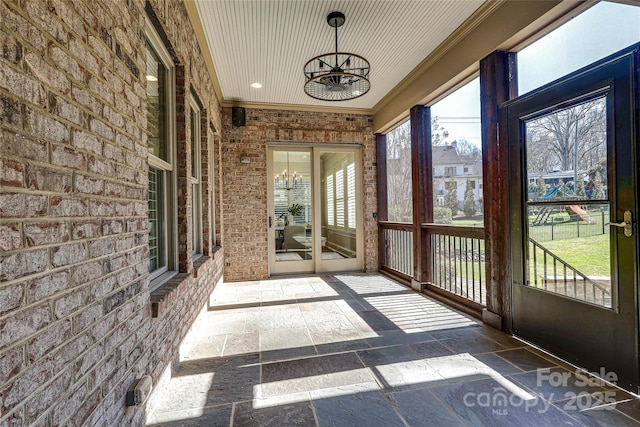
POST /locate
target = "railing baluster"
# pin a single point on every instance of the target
(449, 259)
(455, 267)
(401, 262)
(584, 290)
(480, 272)
(544, 265)
(473, 271)
(466, 267)
(535, 265)
(440, 258)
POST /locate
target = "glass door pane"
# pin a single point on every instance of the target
(339, 246)
(292, 215)
(569, 250)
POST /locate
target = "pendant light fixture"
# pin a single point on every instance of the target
(336, 76)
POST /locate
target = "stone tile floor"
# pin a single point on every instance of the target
(363, 350)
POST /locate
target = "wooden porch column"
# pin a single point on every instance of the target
(381, 181)
(422, 189)
(498, 83)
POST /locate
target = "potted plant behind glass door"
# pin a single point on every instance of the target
(292, 211)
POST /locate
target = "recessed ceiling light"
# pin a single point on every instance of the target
(256, 85)
(151, 78)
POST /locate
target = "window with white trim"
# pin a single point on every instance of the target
(160, 78)
(215, 240)
(195, 179)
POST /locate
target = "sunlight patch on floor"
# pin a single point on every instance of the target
(414, 311)
(185, 397)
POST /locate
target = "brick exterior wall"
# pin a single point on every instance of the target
(76, 313)
(245, 186)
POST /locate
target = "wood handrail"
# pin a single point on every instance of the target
(389, 225)
(454, 230)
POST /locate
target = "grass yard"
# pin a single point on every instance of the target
(589, 255)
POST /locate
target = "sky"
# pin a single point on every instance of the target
(601, 30)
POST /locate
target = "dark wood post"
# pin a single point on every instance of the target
(422, 189)
(381, 177)
(498, 83)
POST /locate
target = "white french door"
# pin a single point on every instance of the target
(315, 209)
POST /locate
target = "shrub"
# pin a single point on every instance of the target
(442, 215)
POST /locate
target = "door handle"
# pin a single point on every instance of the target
(627, 224)
(270, 221)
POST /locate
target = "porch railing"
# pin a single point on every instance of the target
(457, 264)
(398, 248)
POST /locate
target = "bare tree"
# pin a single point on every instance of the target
(467, 151)
(439, 134)
(552, 139)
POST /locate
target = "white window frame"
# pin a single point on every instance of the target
(195, 181)
(170, 226)
(212, 186)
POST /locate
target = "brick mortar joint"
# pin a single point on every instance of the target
(58, 321)
(71, 243)
(71, 195)
(49, 272)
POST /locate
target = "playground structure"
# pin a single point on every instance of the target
(575, 212)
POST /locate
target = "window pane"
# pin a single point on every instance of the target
(156, 104)
(339, 237)
(351, 194)
(330, 201)
(194, 143)
(567, 153)
(196, 218)
(157, 246)
(399, 193)
(212, 189)
(196, 187)
(600, 31)
(569, 249)
(293, 205)
(457, 157)
(339, 198)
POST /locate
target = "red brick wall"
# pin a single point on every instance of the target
(75, 308)
(245, 186)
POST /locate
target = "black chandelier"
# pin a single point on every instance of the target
(336, 76)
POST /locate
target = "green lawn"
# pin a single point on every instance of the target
(589, 255)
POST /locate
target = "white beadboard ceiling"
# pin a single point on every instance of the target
(269, 41)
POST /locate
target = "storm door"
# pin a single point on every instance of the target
(573, 217)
